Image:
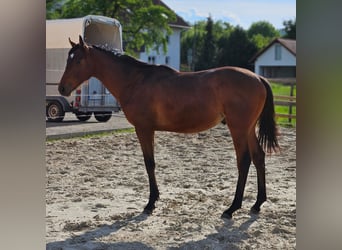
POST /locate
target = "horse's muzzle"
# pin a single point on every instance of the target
(63, 91)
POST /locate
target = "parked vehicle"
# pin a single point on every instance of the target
(91, 97)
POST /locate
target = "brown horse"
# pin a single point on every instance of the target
(158, 98)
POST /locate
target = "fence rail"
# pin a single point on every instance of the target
(287, 101)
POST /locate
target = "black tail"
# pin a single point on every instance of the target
(268, 132)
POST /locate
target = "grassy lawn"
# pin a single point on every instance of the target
(279, 89)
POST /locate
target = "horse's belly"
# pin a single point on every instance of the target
(190, 122)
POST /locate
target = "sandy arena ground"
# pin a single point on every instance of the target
(97, 188)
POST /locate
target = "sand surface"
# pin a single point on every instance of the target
(97, 188)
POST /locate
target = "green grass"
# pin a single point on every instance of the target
(280, 89)
(101, 134)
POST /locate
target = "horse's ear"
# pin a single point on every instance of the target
(72, 43)
(81, 41)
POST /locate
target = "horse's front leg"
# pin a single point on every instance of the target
(146, 139)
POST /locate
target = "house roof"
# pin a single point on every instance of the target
(289, 44)
(179, 23)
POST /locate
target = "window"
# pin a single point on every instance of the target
(152, 59)
(167, 60)
(277, 54)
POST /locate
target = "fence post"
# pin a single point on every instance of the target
(290, 107)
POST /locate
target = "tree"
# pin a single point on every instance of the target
(53, 8)
(262, 33)
(216, 44)
(260, 41)
(290, 29)
(263, 28)
(236, 49)
(208, 53)
(143, 23)
(194, 38)
(192, 42)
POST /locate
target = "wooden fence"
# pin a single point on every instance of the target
(289, 101)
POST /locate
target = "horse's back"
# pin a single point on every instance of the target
(192, 102)
(227, 84)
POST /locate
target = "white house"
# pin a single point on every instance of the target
(277, 60)
(172, 56)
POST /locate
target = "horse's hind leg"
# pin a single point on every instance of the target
(146, 139)
(258, 158)
(243, 163)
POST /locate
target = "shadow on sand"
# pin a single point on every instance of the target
(228, 236)
(88, 240)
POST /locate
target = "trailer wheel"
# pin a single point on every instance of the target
(55, 112)
(102, 116)
(83, 116)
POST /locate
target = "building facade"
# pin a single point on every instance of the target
(172, 56)
(277, 60)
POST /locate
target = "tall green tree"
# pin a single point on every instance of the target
(208, 52)
(192, 44)
(290, 29)
(192, 41)
(236, 49)
(143, 23)
(263, 28)
(262, 33)
(215, 44)
(53, 8)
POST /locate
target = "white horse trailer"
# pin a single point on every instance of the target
(91, 97)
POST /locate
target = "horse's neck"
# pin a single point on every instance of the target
(112, 73)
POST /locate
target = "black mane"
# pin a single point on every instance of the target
(129, 59)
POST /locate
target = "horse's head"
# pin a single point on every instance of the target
(78, 68)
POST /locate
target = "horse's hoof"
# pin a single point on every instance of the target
(226, 216)
(255, 210)
(147, 211)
